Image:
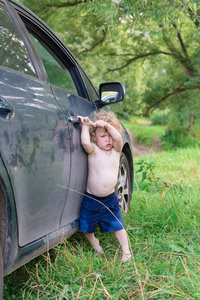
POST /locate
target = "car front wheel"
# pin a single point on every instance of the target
(123, 187)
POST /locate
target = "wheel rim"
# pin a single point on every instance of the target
(123, 188)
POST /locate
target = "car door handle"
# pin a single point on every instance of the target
(73, 119)
(6, 110)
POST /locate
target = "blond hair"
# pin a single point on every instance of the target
(107, 116)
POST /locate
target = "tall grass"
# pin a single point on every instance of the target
(163, 229)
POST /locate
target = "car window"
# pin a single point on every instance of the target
(57, 74)
(13, 53)
(91, 90)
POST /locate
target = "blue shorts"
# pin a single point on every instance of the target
(102, 211)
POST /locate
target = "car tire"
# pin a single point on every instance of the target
(1, 273)
(123, 187)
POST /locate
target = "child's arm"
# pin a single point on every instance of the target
(85, 134)
(113, 132)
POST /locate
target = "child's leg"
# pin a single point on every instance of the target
(94, 242)
(122, 238)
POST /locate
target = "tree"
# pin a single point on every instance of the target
(169, 34)
(151, 46)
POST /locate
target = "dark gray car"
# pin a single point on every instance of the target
(43, 168)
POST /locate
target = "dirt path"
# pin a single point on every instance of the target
(140, 149)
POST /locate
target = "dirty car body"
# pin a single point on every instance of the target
(43, 168)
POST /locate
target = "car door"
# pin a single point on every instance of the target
(69, 89)
(72, 105)
(32, 137)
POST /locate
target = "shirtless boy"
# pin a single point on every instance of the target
(100, 204)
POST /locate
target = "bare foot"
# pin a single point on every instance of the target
(126, 257)
(97, 246)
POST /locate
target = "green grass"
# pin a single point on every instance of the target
(163, 229)
(144, 134)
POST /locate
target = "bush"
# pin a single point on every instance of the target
(159, 119)
(180, 138)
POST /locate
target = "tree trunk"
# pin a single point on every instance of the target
(191, 118)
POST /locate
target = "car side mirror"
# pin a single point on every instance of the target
(111, 92)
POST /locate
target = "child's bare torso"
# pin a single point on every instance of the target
(103, 169)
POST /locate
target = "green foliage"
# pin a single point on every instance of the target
(147, 170)
(152, 47)
(180, 138)
(160, 119)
